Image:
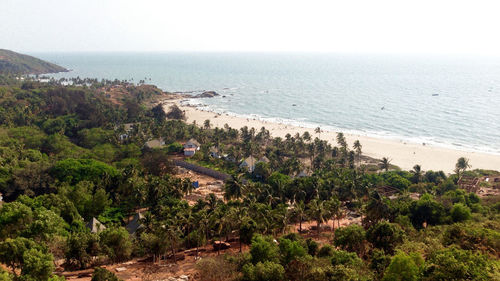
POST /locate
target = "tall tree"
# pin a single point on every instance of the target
(461, 165)
(299, 210)
(234, 187)
(417, 173)
(357, 147)
(385, 163)
(317, 212)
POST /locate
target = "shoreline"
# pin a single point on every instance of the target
(403, 154)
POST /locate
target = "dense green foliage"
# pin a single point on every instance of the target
(67, 157)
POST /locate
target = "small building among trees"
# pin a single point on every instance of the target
(155, 143)
(95, 226)
(190, 147)
(249, 164)
(135, 224)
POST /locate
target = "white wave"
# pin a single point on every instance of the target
(301, 122)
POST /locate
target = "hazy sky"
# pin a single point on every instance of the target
(420, 26)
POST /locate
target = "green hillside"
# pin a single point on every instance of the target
(15, 63)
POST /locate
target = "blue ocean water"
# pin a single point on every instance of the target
(442, 100)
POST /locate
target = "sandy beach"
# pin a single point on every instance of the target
(403, 154)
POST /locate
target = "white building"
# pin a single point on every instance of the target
(190, 147)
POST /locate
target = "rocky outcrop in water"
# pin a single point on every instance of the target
(207, 94)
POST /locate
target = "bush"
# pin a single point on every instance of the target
(80, 247)
(404, 267)
(266, 271)
(456, 264)
(37, 265)
(4, 276)
(292, 236)
(312, 247)
(216, 269)
(350, 238)
(175, 112)
(473, 237)
(459, 212)
(76, 170)
(427, 210)
(102, 274)
(398, 182)
(264, 249)
(345, 258)
(326, 251)
(247, 229)
(175, 148)
(385, 235)
(379, 261)
(116, 243)
(346, 273)
(290, 250)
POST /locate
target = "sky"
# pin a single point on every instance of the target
(354, 26)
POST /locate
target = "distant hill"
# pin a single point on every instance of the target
(15, 63)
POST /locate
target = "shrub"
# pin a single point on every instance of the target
(379, 261)
(175, 148)
(264, 249)
(350, 238)
(345, 258)
(427, 210)
(266, 271)
(116, 243)
(247, 229)
(473, 237)
(385, 235)
(326, 251)
(403, 267)
(80, 247)
(102, 274)
(290, 250)
(312, 247)
(398, 182)
(76, 170)
(216, 269)
(175, 112)
(37, 265)
(4, 276)
(459, 212)
(457, 264)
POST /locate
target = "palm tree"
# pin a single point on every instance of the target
(281, 217)
(341, 141)
(206, 124)
(417, 173)
(234, 187)
(385, 163)
(299, 210)
(357, 147)
(376, 209)
(218, 223)
(204, 221)
(173, 236)
(238, 214)
(317, 212)
(318, 131)
(306, 136)
(461, 166)
(333, 207)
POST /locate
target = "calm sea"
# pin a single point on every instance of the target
(445, 101)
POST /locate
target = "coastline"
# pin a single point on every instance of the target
(403, 154)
